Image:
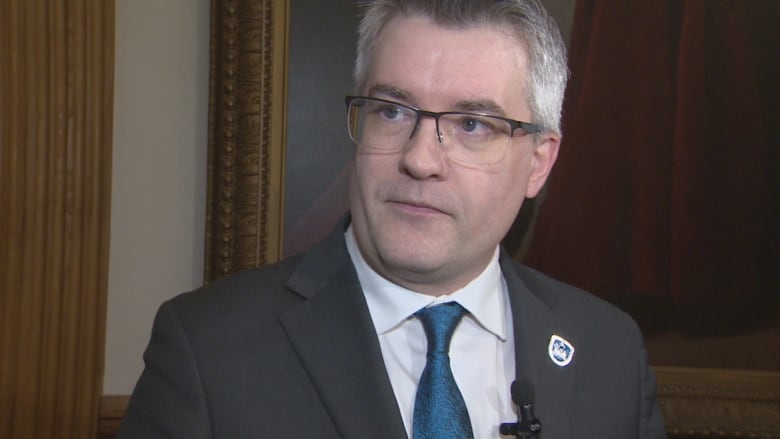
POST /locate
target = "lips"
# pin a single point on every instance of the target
(417, 207)
(416, 199)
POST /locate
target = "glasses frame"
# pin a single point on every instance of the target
(528, 127)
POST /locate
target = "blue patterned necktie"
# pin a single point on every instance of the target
(439, 409)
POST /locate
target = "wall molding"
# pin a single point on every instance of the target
(112, 411)
(719, 403)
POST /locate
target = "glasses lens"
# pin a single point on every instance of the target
(475, 139)
(377, 124)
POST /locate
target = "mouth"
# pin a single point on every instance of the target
(417, 208)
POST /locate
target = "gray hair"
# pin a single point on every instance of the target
(528, 19)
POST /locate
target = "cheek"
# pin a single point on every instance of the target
(497, 200)
(370, 172)
(376, 164)
(515, 182)
(365, 173)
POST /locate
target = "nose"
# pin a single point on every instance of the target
(423, 156)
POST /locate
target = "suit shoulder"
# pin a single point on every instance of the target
(572, 302)
(260, 291)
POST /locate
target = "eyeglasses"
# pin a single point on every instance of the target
(469, 138)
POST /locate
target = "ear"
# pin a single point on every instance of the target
(545, 153)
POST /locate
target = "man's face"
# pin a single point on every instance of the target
(421, 220)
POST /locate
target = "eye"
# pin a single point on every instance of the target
(474, 125)
(470, 124)
(388, 112)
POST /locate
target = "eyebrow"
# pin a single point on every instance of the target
(390, 91)
(484, 106)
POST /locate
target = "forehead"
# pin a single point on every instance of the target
(437, 66)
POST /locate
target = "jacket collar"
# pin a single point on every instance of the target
(335, 340)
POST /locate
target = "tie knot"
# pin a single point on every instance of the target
(439, 322)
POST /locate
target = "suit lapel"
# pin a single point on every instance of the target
(534, 323)
(334, 337)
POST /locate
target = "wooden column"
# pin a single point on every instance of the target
(56, 88)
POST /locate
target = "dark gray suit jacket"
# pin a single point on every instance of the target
(289, 350)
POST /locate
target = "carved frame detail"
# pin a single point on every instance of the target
(247, 112)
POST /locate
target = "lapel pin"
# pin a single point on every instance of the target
(560, 350)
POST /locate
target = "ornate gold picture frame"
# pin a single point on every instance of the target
(247, 108)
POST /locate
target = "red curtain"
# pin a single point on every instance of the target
(667, 184)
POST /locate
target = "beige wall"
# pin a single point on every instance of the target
(159, 171)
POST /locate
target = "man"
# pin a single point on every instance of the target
(408, 320)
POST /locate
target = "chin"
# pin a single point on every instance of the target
(410, 259)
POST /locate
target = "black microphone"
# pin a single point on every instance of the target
(527, 425)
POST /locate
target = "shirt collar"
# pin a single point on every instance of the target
(390, 304)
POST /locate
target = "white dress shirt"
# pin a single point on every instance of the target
(481, 350)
